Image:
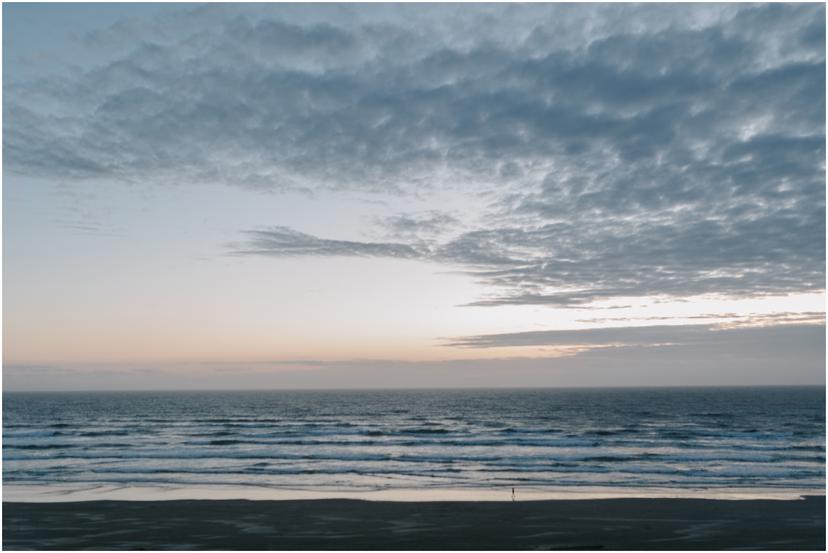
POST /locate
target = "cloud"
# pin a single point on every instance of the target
(11, 369)
(347, 101)
(605, 261)
(20, 372)
(283, 241)
(418, 225)
(729, 319)
(624, 336)
(641, 336)
(575, 262)
(623, 151)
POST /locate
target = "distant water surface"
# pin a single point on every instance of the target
(728, 438)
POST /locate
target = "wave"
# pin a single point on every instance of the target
(748, 438)
(224, 450)
(423, 431)
(513, 430)
(448, 440)
(32, 434)
(381, 439)
(42, 446)
(553, 473)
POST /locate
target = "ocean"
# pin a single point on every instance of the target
(353, 442)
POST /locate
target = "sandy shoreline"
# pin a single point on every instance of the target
(354, 524)
(107, 492)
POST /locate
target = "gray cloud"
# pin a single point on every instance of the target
(574, 262)
(417, 225)
(624, 150)
(603, 261)
(283, 241)
(648, 336)
(749, 319)
(627, 336)
(767, 319)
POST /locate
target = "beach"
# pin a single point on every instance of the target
(648, 524)
(432, 469)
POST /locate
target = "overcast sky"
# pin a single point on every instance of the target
(254, 196)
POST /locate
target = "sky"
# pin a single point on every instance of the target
(379, 196)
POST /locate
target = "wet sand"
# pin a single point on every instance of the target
(355, 524)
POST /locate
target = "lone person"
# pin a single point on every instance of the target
(513, 494)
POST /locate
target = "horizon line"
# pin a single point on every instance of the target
(418, 388)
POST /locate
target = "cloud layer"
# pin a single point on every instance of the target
(648, 336)
(727, 357)
(623, 151)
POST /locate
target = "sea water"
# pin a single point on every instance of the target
(348, 443)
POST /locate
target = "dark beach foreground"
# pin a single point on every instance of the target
(352, 524)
